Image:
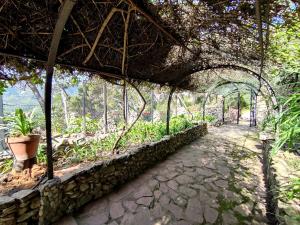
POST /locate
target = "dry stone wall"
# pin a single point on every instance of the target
(68, 193)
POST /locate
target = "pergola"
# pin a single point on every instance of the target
(172, 43)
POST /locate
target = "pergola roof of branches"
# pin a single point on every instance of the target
(158, 41)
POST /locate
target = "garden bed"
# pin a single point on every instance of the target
(76, 151)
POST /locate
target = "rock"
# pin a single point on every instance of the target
(163, 188)
(172, 184)
(175, 210)
(194, 212)
(141, 217)
(66, 220)
(187, 191)
(164, 200)
(229, 218)
(146, 201)
(144, 191)
(162, 178)
(222, 183)
(5, 201)
(157, 211)
(157, 194)
(83, 187)
(113, 223)
(130, 205)
(27, 215)
(184, 179)
(180, 201)
(116, 210)
(210, 214)
(243, 209)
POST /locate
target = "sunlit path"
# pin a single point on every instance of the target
(215, 180)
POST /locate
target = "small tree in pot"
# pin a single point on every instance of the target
(21, 140)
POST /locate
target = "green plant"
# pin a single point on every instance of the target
(75, 126)
(179, 123)
(210, 118)
(268, 122)
(20, 124)
(292, 190)
(6, 166)
(289, 122)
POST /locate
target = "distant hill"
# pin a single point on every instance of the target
(20, 97)
(16, 97)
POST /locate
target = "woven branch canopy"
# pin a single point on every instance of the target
(164, 42)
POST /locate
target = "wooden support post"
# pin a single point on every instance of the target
(238, 106)
(169, 111)
(105, 107)
(63, 16)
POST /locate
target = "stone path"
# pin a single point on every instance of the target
(215, 180)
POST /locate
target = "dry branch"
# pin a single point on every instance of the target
(104, 24)
(124, 132)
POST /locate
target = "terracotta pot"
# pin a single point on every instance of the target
(24, 147)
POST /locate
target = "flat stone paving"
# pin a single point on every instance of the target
(217, 179)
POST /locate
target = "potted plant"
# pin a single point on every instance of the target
(21, 141)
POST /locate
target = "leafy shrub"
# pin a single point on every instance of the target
(6, 166)
(141, 132)
(289, 122)
(210, 118)
(179, 123)
(268, 123)
(76, 125)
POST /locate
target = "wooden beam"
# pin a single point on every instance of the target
(63, 16)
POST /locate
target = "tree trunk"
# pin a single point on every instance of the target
(64, 99)
(37, 95)
(184, 106)
(105, 107)
(169, 111)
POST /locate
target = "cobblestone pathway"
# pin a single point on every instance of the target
(215, 180)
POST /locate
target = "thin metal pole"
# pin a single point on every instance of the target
(152, 106)
(64, 14)
(203, 106)
(223, 109)
(251, 108)
(169, 111)
(84, 107)
(105, 107)
(238, 106)
(255, 110)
